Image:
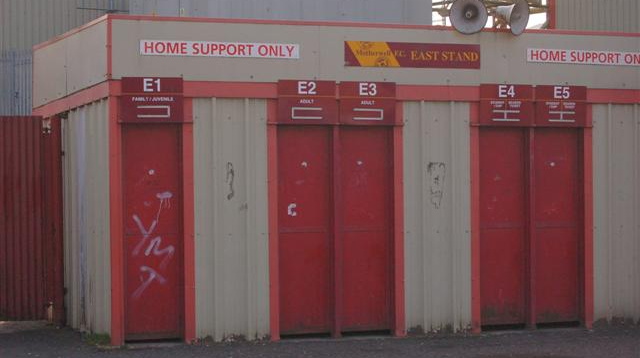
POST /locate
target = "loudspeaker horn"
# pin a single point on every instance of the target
(468, 16)
(516, 15)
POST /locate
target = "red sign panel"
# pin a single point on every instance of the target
(151, 100)
(151, 85)
(407, 54)
(561, 106)
(307, 102)
(151, 108)
(506, 105)
(368, 103)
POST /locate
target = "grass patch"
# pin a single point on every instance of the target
(97, 339)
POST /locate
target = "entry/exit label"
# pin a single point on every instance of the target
(506, 104)
(151, 100)
(561, 105)
(307, 102)
(367, 103)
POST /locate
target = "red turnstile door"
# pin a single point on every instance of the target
(557, 225)
(304, 221)
(153, 231)
(502, 225)
(366, 188)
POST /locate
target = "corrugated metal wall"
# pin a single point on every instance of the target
(86, 218)
(437, 220)
(381, 11)
(22, 244)
(598, 15)
(25, 23)
(15, 82)
(616, 152)
(232, 266)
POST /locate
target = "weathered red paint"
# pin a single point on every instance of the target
(474, 143)
(188, 223)
(557, 225)
(273, 188)
(502, 225)
(304, 224)
(116, 220)
(365, 228)
(51, 154)
(533, 275)
(153, 231)
(30, 220)
(399, 319)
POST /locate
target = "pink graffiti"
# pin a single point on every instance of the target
(152, 275)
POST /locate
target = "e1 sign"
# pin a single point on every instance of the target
(151, 100)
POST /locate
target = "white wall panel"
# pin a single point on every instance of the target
(616, 153)
(232, 252)
(437, 216)
(86, 218)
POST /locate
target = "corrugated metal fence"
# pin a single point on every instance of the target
(15, 82)
(30, 261)
(381, 11)
(598, 15)
(616, 187)
(25, 23)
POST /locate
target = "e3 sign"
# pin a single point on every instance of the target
(368, 103)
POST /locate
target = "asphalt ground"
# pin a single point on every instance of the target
(39, 340)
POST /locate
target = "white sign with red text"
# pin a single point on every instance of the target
(219, 49)
(583, 57)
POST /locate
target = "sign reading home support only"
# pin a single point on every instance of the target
(151, 100)
(583, 57)
(219, 49)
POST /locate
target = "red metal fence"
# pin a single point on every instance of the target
(31, 285)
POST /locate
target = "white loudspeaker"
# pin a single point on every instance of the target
(516, 15)
(468, 16)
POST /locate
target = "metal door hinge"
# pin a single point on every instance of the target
(46, 126)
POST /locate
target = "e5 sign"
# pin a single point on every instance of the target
(561, 92)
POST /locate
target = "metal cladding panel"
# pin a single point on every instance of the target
(616, 166)
(24, 23)
(22, 244)
(86, 218)
(232, 254)
(598, 15)
(437, 220)
(69, 65)
(503, 56)
(15, 82)
(385, 11)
